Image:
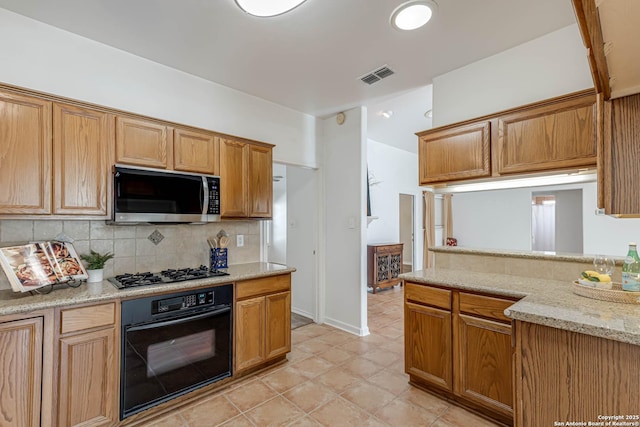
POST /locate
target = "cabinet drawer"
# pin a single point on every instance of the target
(484, 306)
(262, 286)
(435, 297)
(77, 319)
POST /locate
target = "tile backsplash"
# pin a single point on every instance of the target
(181, 245)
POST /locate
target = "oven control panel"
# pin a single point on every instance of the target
(182, 302)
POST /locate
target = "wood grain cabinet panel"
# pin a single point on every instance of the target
(260, 182)
(143, 143)
(555, 136)
(249, 333)
(484, 363)
(573, 377)
(195, 152)
(619, 186)
(88, 392)
(21, 374)
(234, 172)
(278, 324)
(83, 155)
(25, 154)
(454, 153)
(428, 345)
(262, 321)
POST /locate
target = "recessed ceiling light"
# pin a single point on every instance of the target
(386, 114)
(412, 14)
(264, 8)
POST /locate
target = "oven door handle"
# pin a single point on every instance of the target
(178, 321)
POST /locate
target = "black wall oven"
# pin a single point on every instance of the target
(173, 344)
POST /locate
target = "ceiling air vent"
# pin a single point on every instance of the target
(377, 75)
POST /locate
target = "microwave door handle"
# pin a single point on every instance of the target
(204, 201)
(179, 321)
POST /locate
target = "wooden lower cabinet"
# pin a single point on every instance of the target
(483, 363)
(262, 321)
(88, 364)
(459, 345)
(567, 376)
(21, 357)
(428, 328)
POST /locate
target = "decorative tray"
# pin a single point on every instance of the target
(613, 295)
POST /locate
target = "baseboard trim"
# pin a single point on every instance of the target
(361, 332)
(303, 313)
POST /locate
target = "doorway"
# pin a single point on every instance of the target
(406, 230)
(556, 221)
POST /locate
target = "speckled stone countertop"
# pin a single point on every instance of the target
(551, 256)
(16, 302)
(545, 302)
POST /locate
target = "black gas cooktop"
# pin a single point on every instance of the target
(130, 280)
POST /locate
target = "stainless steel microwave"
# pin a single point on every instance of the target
(149, 195)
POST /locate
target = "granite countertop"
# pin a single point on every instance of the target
(550, 256)
(545, 302)
(16, 302)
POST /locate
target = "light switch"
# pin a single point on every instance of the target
(240, 240)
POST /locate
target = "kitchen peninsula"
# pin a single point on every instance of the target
(506, 336)
(61, 351)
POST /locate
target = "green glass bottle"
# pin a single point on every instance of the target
(631, 270)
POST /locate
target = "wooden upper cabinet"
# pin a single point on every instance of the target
(234, 172)
(557, 135)
(21, 378)
(260, 182)
(25, 154)
(454, 153)
(143, 143)
(195, 151)
(619, 185)
(83, 155)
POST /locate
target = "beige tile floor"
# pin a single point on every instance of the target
(333, 379)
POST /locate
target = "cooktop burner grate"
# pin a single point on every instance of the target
(130, 280)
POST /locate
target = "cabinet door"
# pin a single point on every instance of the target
(484, 363)
(25, 155)
(195, 152)
(249, 333)
(82, 155)
(428, 344)
(278, 324)
(143, 143)
(558, 135)
(234, 168)
(455, 153)
(21, 373)
(382, 267)
(88, 393)
(620, 175)
(260, 182)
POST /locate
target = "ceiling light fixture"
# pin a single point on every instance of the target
(428, 114)
(412, 14)
(386, 114)
(263, 9)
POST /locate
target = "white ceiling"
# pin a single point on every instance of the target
(311, 58)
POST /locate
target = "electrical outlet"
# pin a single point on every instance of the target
(240, 240)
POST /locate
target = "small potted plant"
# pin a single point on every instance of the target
(95, 265)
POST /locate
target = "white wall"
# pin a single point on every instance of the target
(344, 183)
(569, 212)
(41, 57)
(277, 227)
(302, 238)
(549, 66)
(396, 171)
(501, 219)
